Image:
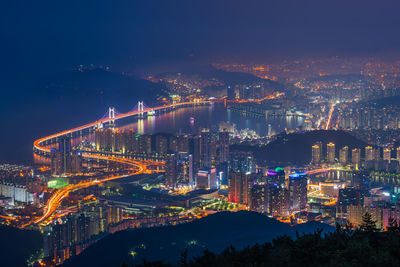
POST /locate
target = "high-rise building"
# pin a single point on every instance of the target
(377, 154)
(276, 177)
(330, 152)
(344, 155)
(279, 199)
(239, 187)
(171, 171)
(298, 191)
(387, 154)
(145, 144)
(369, 153)
(183, 143)
(356, 157)
(184, 169)
(259, 198)
(398, 154)
(61, 158)
(316, 154)
(223, 146)
(205, 157)
(161, 144)
(242, 161)
(346, 197)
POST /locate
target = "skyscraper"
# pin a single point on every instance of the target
(387, 154)
(205, 157)
(276, 177)
(344, 155)
(161, 144)
(346, 197)
(184, 169)
(377, 153)
(239, 187)
(316, 154)
(279, 199)
(61, 158)
(398, 154)
(170, 171)
(223, 146)
(242, 161)
(369, 153)
(298, 191)
(356, 157)
(330, 152)
(259, 198)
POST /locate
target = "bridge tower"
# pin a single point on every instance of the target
(140, 106)
(111, 115)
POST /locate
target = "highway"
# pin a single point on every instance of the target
(330, 116)
(138, 165)
(60, 194)
(38, 144)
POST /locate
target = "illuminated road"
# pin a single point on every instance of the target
(318, 171)
(139, 166)
(38, 144)
(60, 194)
(330, 116)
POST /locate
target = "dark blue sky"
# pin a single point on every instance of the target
(49, 35)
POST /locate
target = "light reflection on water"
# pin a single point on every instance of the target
(204, 117)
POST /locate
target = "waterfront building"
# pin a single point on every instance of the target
(387, 154)
(356, 157)
(344, 155)
(316, 154)
(330, 152)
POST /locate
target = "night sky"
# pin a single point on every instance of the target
(59, 34)
(40, 38)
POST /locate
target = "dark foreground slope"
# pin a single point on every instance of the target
(215, 233)
(296, 148)
(17, 245)
(338, 248)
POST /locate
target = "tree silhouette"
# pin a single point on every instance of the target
(368, 225)
(393, 225)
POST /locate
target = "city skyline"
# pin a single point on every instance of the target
(200, 133)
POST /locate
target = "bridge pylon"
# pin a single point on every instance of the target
(111, 115)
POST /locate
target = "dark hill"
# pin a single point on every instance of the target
(228, 78)
(17, 245)
(215, 232)
(296, 148)
(382, 102)
(103, 87)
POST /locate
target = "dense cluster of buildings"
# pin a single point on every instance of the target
(275, 193)
(387, 159)
(191, 160)
(383, 117)
(381, 203)
(75, 232)
(64, 159)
